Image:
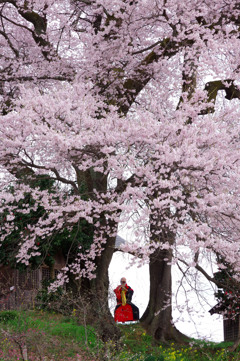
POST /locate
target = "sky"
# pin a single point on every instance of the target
(192, 318)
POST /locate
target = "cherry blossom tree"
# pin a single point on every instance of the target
(126, 105)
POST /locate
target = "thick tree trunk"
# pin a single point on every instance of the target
(90, 297)
(157, 319)
(103, 319)
(96, 290)
(93, 294)
(98, 287)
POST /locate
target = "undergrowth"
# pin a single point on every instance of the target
(52, 337)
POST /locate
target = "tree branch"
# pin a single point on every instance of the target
(55, 171)
(212, 88)
(40, 27)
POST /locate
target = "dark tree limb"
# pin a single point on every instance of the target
(212, 88)
(39, 23)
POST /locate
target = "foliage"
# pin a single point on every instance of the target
(6, 316)
(228, 293)
(67, 240)
(10, 245)
(44, 299)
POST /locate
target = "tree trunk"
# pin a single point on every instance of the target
(95, 292)
(98, 291)
(157, 319)
(90, 297)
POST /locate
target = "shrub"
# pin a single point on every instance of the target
(47, 300)
(6, 316)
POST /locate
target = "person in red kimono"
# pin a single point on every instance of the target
(125, 309)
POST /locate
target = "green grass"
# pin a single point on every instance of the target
(62, 338)
(54, 333)
(53, 325)
(141, 344)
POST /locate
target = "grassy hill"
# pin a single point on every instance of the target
(44, 336)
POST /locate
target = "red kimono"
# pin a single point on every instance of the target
(125, 309)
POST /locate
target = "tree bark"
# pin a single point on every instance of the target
(157, 319)
(90, 297)
(99, 286)
(98, 292)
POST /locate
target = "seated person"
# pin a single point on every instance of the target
(125, 309)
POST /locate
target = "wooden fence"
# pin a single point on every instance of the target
(19, 289)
